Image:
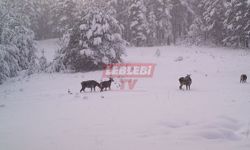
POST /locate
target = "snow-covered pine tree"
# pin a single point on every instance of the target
(94, 41)
(65, 14)
(247, 27)
(237, 23)
(208, 25)
(196, 32)
(8, 63)
(181, 18)
(213, 16)
(177, 19)
(17, 49)
(138, 23)
(41, 17)
(163, 18)
(122, 8)
(152, 27)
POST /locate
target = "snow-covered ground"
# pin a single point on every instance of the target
(37, 113)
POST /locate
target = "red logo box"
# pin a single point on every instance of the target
(131, 70)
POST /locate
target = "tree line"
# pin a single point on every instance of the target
(154, 22)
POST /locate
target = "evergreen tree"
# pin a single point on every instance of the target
(214, 15)
(237, 23)
(138, 23)
(247, 27)
(197, 32)
(208, 23)
(121, 8)
(180, 18)
(163, 18)
(65, 15)
(96, 40)
(17, 49)
(41, 18)
(152, 26)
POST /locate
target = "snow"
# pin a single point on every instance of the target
(87, 52)
(133, 23)
(83, 27)
(97, 41)
(37, 113)
(89, 34)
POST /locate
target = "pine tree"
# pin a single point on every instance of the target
(196, 32)
(65, 14)
(152, 26)
(213, 16)
(237, 23)
(163, 18)
(121, 8)
(9, 66)
(247, 27)
(17, 49)
(94, 41)
(42, 18)
(208, 23)
(181, 16)
(138, 23)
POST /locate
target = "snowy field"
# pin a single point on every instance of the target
(37, 113)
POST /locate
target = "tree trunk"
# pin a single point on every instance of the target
(168, 40)
(247, 43)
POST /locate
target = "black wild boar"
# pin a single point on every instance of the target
(185, 81)
(106, 84)
(243, 78)
(92, 84)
